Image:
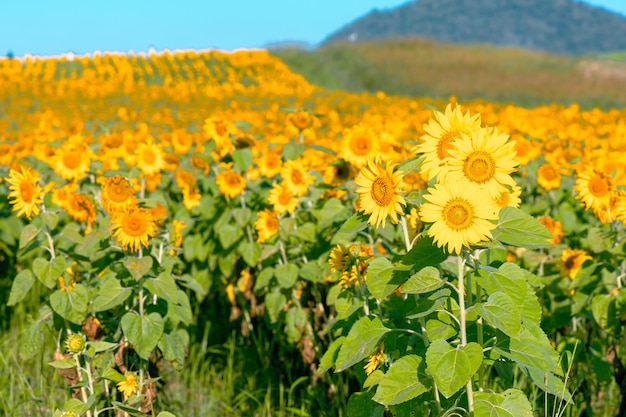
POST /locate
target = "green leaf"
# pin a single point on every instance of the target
(29, 232)
(228, 235)
(110, 294)
(274, 301)
(286, 275)
(296, 321)
(74, 405)
(440, 328)
(242, 159)
(401, 382)
(143, 332)
(48, 272)
(31, 344)
(511, 403)
(50, 219)
(322, 149)
(263, 279)
(517, 228)
(330, 356)
(165, 414)
(311, 271)
(508, 278)
(360, 404)
(426, 280)
(180, 309)
(352, 226)
(306, 233)
(410, 165)
(531, 349)
(603, 309)
(67, 363)
(138, 267)
(164, 286)
(502, 313)
(250, 252)
(20, 287)
(112, 375)
(173, 350)
(424, 253)
(380, 280)
(102, 346)
(346, 304)
(531, 309)
(71, 305)
(292, 150)
(373, 379)
(363, 338)
(450, 367)
(130, 410)
(548, 382)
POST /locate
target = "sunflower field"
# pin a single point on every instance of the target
(207, 233)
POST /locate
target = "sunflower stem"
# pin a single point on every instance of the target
(405, 232)
(83, 391)
(282, 251)
(462, 312)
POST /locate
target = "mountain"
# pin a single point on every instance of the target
(558, 26)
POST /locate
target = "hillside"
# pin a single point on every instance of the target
(422, 67)
(558, 26)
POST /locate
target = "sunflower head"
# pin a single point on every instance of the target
(75, 343)
(129, 385)
(133, 228)
(25, 193)
(117, 194)
(266, 225)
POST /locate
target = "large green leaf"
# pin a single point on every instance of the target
(29, 232)
(450, 367)
(143, 332)
(228, 235)
(363, 338)
(274, 302)
(138, 267)
(360, 404)
(531, 349)
(110, 294)
(71, 304)
(425, 280)
(250, 252)
(401, 382)
(173, 350)
(548, 382)
(48, 272)
(286, 275)
(330, 356)
(424, 253)
(352, 226)
(508, 278)
(501, 312)
(164, 286)
(381, 281)
(20, 287)
(517, 228)
(511, 403)
(31, 343)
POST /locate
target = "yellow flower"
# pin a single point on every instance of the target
(460, 213)
(485, 158)
(81, 208)
(594, 188)
(149, 157)
(359, 145)
(339, 259)
(75, 343)
(375, 359)
(230, 183)
(440, 135)
(133, 228)
(117, 194)
(295, 177)
(300, 119)
(270, 164)
(572, 260)
(25, 193)
(129, 385)
(266, 225)
(508, 197)
(379, 192)
(177, 236)
(282, 199)
(337, 173)
(554, 227)
(73, 159)
(549, 177)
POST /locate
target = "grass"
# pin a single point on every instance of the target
(420, 67)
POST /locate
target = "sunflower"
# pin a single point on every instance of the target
(270, 164)
(177, 236)
(549, 177)
(359, 144)
(129, 385)
(81, 208)
(572, 260)
(337, 173)
(379, 192)
(266, 225)
(117, 194)
(349, 277)
(181, 141)
(460, 213)
(485, 158)
(441, 133)
(149, 157)
(73, 159)
(25, 192)
(296, 178)
(282, 199)
(230, 183)
(339, 259)
(133, 228)
(554, 227)
(595, 189)
(509, 196)
(375, 359)
(301, 119)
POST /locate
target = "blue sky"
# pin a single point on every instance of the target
(46, 27)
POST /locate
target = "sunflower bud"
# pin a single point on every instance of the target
(75, 343)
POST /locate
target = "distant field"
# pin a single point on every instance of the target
(421, 67)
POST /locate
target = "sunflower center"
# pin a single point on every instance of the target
(220, 129)
(296, 177)
(458, 214)
(479, 167)
(233, 180)
(360, 144)
(445, 143)
(27, 190)
(284, 198)
(71, 160)
(118, 193)
(134, 225)
(570, 262)
(548, 172)
(271, 223)
(382, 191)
(598, 186)
(148, 156)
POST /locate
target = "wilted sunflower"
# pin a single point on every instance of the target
(117, 194)
(483, 157)
(25, 192)
(360, 143)
(296, 178)
(133, 228)
(595, 189)
(129, 385)
(230, 183)
(572, 260)
(459, 212)
(549, 177)
(266, 225)
(282, 199)
(441, 133)
(379, 192)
